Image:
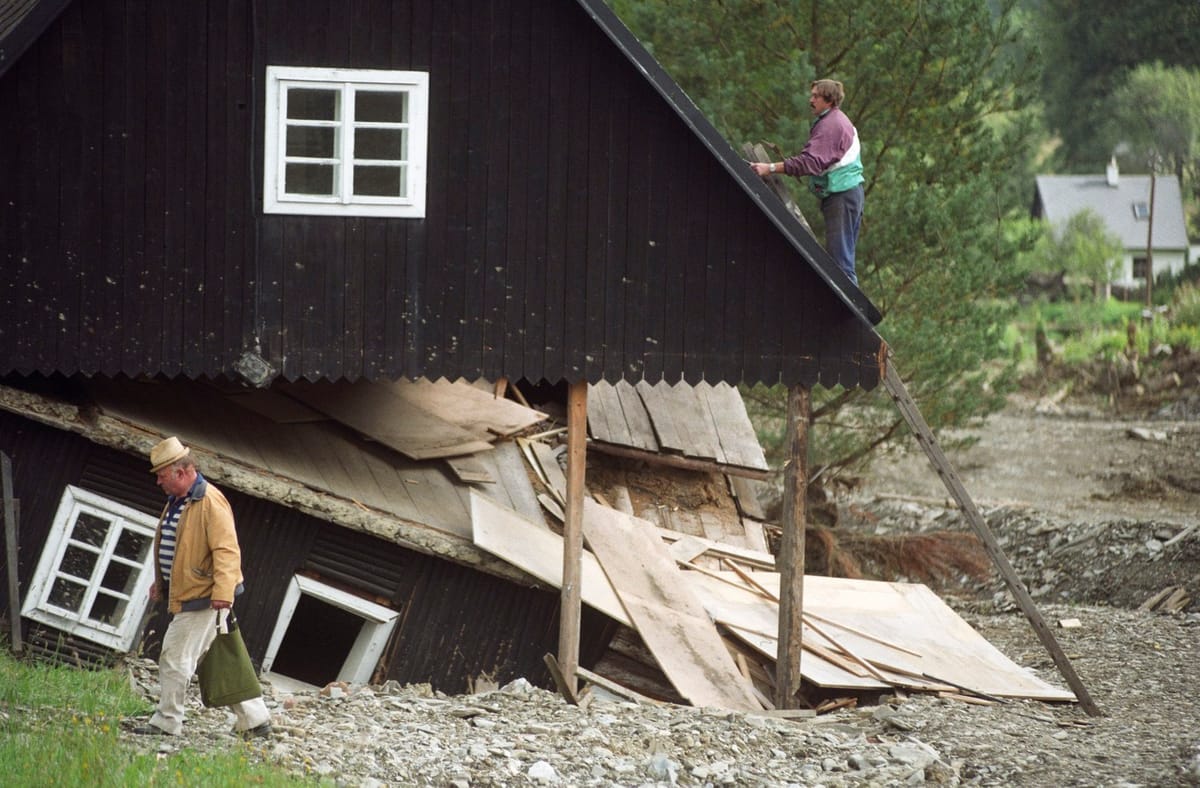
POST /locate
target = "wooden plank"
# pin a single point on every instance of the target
(904, 628)
(756, 535)
(473, 409)
(537, 550)
(925, 437)
(687, 548)
(678, 461)
(758, 560)
(547, 459)
(605, 417)
(669, 617)
(507, 465)
(376, 411)
(661, 416)
(470, 470)
(735, 433)
(615, 688)
(746, 493)
(637, 418)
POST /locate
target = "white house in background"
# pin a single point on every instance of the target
(1123, 202)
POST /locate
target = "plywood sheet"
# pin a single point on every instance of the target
(379, 412)
(471, 408)
(866, 616)
(539, 551)
(668, 616)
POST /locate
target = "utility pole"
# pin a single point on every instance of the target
(1150, 245)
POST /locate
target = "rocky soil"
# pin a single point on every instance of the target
(1078, 524)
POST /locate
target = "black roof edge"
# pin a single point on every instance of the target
(759, 192)
(29, 26)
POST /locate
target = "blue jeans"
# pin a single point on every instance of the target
(843, 213)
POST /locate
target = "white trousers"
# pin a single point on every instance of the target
(188, 637)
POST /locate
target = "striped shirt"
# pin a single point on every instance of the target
(170, 529)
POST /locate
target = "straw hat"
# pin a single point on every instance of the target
(165, 453)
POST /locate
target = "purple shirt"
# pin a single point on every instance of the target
(831, 137)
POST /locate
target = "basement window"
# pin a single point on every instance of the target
(325, 634)
(94, 576)
(345, 142)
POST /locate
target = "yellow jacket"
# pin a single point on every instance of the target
(208, 561)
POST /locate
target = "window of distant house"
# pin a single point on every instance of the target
(345, 142)
(95, 573)
(1141, 210)
(1139, 268)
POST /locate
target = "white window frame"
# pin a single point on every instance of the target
(38, 607)
(344, 202)
(378, 623)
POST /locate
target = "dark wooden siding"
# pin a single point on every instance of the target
(456, 623)
(576, 226)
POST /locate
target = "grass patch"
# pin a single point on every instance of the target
(60, 726)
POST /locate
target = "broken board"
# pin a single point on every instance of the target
(539, 551)
(668, 616)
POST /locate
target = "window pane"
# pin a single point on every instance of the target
(309, 179)
(311, 142)
(90, 529)
(120, 578)
(377, 106)
(66, 594)
(107, 609)
(78, 562)
(312, 104)
(133, 546)
(380, 143)
(379, 181)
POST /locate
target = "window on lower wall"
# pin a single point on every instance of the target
(94, 576)
(345, 142)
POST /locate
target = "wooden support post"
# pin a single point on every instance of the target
(791, 550)
(924, 436)
(10, 540)
(569, 617)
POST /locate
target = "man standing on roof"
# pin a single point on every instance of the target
(831, 160)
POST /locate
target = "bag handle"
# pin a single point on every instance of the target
(224, 619)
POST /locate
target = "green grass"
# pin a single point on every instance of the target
(59, 726)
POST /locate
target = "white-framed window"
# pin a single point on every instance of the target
(345, 142)
(93, 579)
(354, 645)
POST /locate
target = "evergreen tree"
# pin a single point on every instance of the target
(936, 90)
(1090, 47)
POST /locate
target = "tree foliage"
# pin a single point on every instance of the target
(1090, 47)
(1084, 248)
(1156, 117)
(936, 90)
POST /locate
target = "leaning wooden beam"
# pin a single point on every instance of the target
(677, 461)
(791, 551)
(924, 435)
(570, 615)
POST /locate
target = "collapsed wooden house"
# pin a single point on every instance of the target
(218, 209)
